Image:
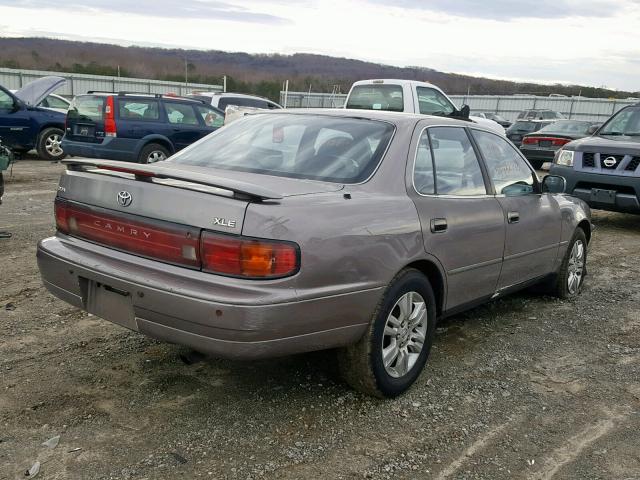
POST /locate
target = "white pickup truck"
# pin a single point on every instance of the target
(412, 97)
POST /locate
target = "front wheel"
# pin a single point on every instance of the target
(392, 353)
(49, 144)
(574, 267)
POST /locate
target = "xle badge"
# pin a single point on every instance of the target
(223, 222)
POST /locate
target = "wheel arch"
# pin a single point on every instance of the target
(160, 140)
(436, 278)
(585, 225)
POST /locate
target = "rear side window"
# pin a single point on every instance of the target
(86, 108)
(377, 97)
(457, 168)
(138, 109)
(210, 117)
(315, 147)
(181, 113)
(423, 178)
(55, 102)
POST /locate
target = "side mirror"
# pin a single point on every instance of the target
(6, 157)
(554, 184)
(465, 111)
(593, 129)
(17, 106)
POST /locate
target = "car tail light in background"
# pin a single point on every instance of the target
(212, 252)
(160, 240)
(109, 119)
(555, 141)
(248, 257)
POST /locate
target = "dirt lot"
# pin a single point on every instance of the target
(526, 387)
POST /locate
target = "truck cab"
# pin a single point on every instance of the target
(410, 96)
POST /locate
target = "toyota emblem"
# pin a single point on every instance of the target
(124, 199)
(610, 161)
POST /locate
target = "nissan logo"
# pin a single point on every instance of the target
(610, 161)
(124, 199)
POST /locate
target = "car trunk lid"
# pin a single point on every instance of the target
(85, 119)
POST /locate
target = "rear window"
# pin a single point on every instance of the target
(567, 126)
(522, 126)
(376, 97)
(314, 147)
(242, 102)
(138, 109)
(86, 107)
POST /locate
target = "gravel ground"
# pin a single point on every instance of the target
(525, 387)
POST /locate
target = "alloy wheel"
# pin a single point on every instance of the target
(404, 334)
(52, 145)
(575, 267)
(156, 156)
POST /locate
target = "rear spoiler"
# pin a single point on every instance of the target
(151, 171)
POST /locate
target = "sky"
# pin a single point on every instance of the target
(588, 42)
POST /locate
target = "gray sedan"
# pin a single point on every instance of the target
(294, 231)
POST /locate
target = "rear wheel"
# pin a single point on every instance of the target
(574, 267)
(49, 144)
(153, 153)
(392, 353)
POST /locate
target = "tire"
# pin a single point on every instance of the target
(48, 146)
(571, 275)
(362, 365)
(153, 153)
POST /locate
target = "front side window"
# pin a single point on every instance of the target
(625, 122)
(6, 102)
(314, 147)
(457, 168)
(138, 109)
(210, 117)
(432, 102)
(55, 102)
(377, 97)
(507, 170)
(181, 114)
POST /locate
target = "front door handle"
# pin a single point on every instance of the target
(439, 225)
(513, 217)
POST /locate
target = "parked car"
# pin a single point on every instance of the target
(541, 146)
(293, 231)
(24, 122)
(499, 119)
(410, 96)
(604, 169)
(222, 100)
(136, 127)
(520, 128)
(540, 114)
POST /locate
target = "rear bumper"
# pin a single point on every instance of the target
(191, 308)
(624, 194)
(537, 156)
(112, 148)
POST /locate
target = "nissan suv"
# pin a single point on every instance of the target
(134, 127)
(604, 169)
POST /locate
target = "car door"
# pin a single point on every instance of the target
(15, 122)
(462, 223)
(184, 124)
(533, 218)
(139, 117)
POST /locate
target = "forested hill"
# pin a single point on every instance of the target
(251, 73)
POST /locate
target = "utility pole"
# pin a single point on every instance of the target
(286, 93)
(224, 83)
(186, 73)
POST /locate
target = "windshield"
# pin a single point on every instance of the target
(567, 127)
(625, 122)
(86, 107)
(376, 97)
(314, 147)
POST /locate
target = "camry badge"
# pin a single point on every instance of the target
(610, 161)
(124, 198)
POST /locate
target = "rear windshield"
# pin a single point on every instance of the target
(567, 126)
(86, 107)
(376, 97)
(523, 126)
(314, 147)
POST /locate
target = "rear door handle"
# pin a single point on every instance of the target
(513, 217)
(439, 225)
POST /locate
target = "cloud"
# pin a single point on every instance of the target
(510, 9)
(185, 9)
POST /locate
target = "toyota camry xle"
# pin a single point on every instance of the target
(293, 231)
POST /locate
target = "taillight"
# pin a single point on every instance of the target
(558, 142)
(160, 240)
(248, 257)
(529, 140)
(109, 119)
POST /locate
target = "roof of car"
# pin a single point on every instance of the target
(394, 81)
(229, 94)
(143, 95)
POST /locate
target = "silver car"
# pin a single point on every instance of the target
(294, 231)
